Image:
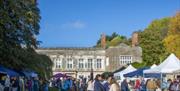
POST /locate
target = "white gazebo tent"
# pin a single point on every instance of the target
(120, 74)
(171, 64)
(168, 66)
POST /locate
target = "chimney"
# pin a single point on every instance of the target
(134, 39)
(103, 40)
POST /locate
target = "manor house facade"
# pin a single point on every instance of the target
(78, 62)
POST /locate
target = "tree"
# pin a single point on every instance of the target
(114, 40)
(19, 26)
(117, 40)
(172, 41)
(151, 41)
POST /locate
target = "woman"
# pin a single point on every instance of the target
(114, 85)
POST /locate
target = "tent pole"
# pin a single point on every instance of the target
(161, 81)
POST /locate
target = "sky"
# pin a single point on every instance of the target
(79, 23)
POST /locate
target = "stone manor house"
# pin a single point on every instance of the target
(79, 62)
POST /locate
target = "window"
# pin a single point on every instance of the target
(58, 63)
(69, 63)
(90, 63)
(98, 63)
(81, 63)
(125, 59)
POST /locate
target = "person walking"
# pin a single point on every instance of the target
(97, 84)
(114, 85)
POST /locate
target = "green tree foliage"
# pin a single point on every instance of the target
(151, 41)
(117, 40)
(172, 41)
(19, 26)
(114, 40)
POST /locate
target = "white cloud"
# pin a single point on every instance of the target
(74, 24)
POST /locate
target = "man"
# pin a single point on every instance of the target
(97, 84)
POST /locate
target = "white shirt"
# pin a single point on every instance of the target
(90, 86)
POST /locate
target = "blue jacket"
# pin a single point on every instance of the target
(98, 86)
(66, 85)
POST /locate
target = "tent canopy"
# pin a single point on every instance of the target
(2, 71)
(130, 68)
(138, 72)
(58, 75)
(171, 64)
(9, 71)
(29, 73)
(152, 75)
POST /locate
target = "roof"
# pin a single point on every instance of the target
(69, 48)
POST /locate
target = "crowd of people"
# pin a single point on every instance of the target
(23, 84)
(99, 83)
(109, 83)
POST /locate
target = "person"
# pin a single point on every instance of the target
(106, 81)
(114, 85)
(15, 84)
(150, 85)
(41, 84)
(124, 85)
(1, 87)
(174, 86)
(169, 81)
(70, 83)
(164, 84)
(81, 85)
(45, 88)
(74, 88)
(7, 83)
(137, 85)
(36, 84)
(65, 85)
(21, 84)
(97, 84)
(59, 86)
(90, 85)
(158, 84)
(142, 85)
(29, 84)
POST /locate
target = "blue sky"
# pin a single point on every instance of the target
(79, 23)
